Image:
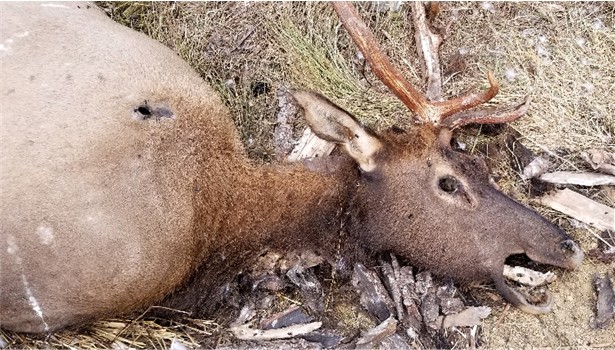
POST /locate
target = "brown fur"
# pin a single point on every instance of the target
(104, 212)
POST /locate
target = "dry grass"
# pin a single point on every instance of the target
(120, 334)
(561, 54)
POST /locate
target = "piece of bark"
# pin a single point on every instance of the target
(537, 167)
(373, 295)
(390, 282)
(283, 132)
(605, 302)
(271, 283)
(392, 342)
(291, 316)
(423, 283)
(578, 178)
(605, 251)
(310, 288)
(527, 276)
(600, 160)
(375, 335)
(246, 313)
(430, 310)
(581, 208)
(469, 317)
(310, 146)
(245, 332)
(328, 339)
(410, 298)
(447, 300)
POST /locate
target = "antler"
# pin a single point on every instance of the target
(450, 113)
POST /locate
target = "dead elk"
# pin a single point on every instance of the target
(123, 175)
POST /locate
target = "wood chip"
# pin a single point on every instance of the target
(578, 178)
(244, 332)
(581, 208)
(527, 276)
(471, 316)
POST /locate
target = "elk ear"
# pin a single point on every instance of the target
(332, 123)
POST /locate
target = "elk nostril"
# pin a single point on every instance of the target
(568, 245)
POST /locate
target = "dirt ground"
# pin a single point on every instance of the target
(561, 54)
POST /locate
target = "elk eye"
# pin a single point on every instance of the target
(448, 184)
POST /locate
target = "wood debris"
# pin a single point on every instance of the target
(537, 167)
(471, 316)
(375, 335)
(578, 178)
(581, 208)
(283, 132)
(605, 302)
(310, 146)
(448, 301)
(292, 315)
(600, 160)
(605, 251)
(245, 332)
(373, 295)
(527, 276)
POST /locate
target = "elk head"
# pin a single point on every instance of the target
(427, 202)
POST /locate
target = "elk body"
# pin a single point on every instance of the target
(122, 174)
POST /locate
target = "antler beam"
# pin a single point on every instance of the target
(448, 113)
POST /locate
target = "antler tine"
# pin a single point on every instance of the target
(379, 63)
(438, 112)
(493, 116)
(461, 103)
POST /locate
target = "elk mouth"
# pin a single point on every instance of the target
(525, 277)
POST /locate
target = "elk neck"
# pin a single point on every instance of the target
(283, 206)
